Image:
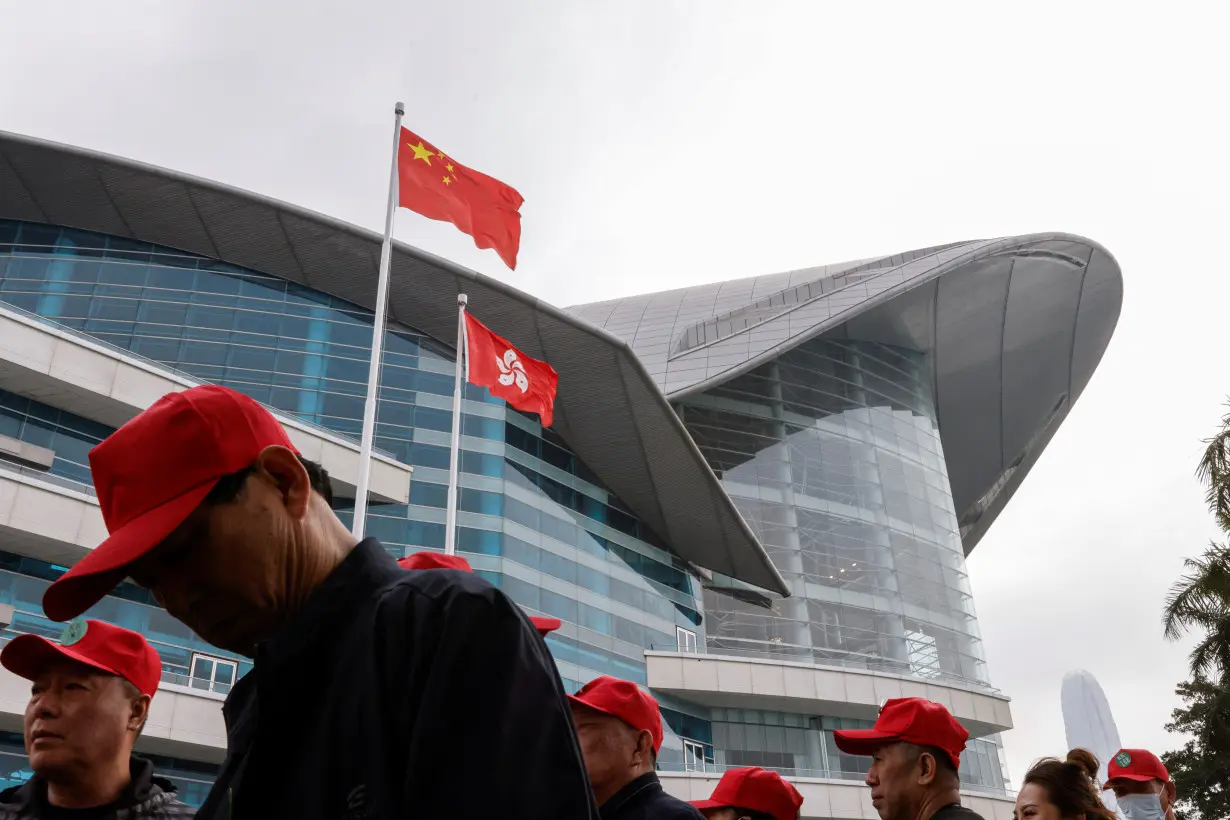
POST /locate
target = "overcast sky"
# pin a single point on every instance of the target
(659, 144)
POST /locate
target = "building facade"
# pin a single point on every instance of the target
(756, 502)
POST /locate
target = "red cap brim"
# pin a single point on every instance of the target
(88, 580)
(545, 625)
(862, 741)
(27, 656)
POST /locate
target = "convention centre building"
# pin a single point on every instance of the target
(756, 500)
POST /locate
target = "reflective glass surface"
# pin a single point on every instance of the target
(533, 518)
(804, 746)
(832, 454)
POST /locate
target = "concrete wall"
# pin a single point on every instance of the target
(755, 683)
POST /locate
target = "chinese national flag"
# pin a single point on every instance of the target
(527, 384)
(438, 187)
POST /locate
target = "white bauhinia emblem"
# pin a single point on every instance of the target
(512, 371)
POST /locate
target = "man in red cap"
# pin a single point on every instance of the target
(438, 560)
(370, 683)
(915, 748)
(1143, 788)
(751, 794)
(620, 729)
(89, 701)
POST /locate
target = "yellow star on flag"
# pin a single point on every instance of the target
(449, 167)
(448, 181)
(421, 152)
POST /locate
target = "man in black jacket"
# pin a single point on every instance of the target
(620, 727)
(89, 700)
(376, 693)
(915, 748)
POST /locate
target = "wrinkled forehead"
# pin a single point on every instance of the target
(592, 718)
(892, 751)
(68, 668)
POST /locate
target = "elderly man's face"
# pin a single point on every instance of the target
(893, 778)
(609, 747)
(228, 570)
(79, 718)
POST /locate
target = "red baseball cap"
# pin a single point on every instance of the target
(152, 473)
(626, 701)
(107, 647)
(912, 720)
(1135, 764)
(438, 560)
(757, 789)
(434, 560)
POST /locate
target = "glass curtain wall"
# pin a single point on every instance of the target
(533, 518)
(832, 454)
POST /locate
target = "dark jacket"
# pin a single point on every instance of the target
(644, 799)
(397, 694)
(146, 798)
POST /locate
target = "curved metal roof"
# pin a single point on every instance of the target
(608, 403)
(1015, 327)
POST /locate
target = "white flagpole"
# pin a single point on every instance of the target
(373, 370)
(450, 533)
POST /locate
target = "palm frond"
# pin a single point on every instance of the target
(1212, 654)
(1201, 597)
(1214, 471)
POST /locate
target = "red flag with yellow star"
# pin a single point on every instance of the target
(438, 187)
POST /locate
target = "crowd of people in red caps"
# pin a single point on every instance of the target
(391, 689)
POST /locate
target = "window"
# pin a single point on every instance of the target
(693, 756)
(213, 674)
(685, 639)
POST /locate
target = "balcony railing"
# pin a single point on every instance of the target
(831, 658)
(41, 475)
(699, 757)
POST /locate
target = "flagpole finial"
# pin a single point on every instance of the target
(462, 299)
(399, 109)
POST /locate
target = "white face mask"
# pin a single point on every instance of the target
(1141, 807)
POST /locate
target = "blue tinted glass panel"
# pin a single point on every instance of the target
(306, 354)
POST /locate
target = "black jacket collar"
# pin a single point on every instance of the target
(642, 788)
(139, 789)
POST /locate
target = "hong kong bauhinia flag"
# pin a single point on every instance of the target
(527, 384)
(437, 186)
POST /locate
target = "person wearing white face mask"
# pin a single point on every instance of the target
(1141, 784)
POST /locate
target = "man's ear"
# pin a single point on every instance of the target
(644, 747)
(929, 769)
(289, 475)
(139, 713)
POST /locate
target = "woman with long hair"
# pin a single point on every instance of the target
(1056, 789)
